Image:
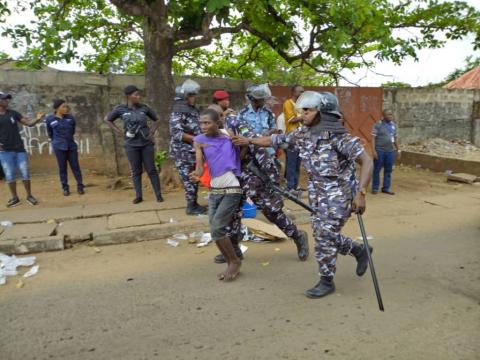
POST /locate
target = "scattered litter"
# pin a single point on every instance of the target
(20, 284)
(180, 237)
(264, 230)
(9, 264)
(243, 248)
(368, 237)
(51, 221)
(418, 166)
(448, 172)
(33, 271)
(6, 223)
(457, 148)
(277, 249)
(172, 242)
(195, 237)
(205, 240)
(462, 177)
(172, 220)
(266, 263)
(201, 215)
(97, 250)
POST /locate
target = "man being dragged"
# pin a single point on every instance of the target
(223, 160)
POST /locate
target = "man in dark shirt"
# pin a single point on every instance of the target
(139, 145)
(385, 149)
(13, 156)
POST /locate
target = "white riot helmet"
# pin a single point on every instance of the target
(189, 87)
(309, 100)
(325, 102)
(258, 92)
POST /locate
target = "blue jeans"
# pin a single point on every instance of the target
(11, 161)
(65, 157)
(292, 168)
(385, 160)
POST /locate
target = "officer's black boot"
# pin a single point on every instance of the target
(201, 209)
(220, 259)
(362, 258)
(324, 287)
(301, 240)
(194, 209)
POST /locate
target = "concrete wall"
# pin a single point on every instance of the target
(421, 113)
(91, 97)
(429, 113)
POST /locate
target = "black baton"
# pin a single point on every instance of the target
(370, 262)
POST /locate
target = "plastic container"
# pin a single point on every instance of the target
(249, 210)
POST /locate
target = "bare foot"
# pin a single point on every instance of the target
(232, 271)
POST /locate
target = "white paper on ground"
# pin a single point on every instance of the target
(33, 271)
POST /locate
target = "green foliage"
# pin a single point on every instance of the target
(4, 11)
(160, 158)
(396, 84)
(280, 41)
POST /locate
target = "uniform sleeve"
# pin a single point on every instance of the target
(151, 114)
(17, 116)
(286, 142)
(49, 128)
(288, 110)
(176, 128)
(349, 146)
(272, 124)
(113, 115)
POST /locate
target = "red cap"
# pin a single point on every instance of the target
(221, 95)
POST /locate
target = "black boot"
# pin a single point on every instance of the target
(301, 240)
(220, 259)
(194, 209)
(324, 287)
(362, 259)
(200, 208)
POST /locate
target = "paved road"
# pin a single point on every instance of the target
(149, 300)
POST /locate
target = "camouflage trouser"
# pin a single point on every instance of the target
(269, 202)
(327, 223)
(184, 169)
(234, 232)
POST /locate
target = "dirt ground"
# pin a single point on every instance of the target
(152, 301)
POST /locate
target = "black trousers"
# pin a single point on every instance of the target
(65, 157)
(139, 158)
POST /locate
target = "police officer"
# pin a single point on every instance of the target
(61, 130)
(328, 155)
(139, 145)
(269, 202)
(184, 126)
(256, 114)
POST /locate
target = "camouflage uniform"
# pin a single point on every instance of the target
(182, 152)
(269, 202)
(329, 161)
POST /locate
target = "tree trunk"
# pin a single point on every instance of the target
(160, 89)
(159, 85)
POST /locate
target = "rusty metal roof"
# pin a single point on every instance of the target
(469, 80)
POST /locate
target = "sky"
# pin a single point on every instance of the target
(433, 65)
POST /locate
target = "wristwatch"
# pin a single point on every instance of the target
(363, 191)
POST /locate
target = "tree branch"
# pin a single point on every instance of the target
(133, 7)
(207, 37)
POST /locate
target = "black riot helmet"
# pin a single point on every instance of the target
(329, 104)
